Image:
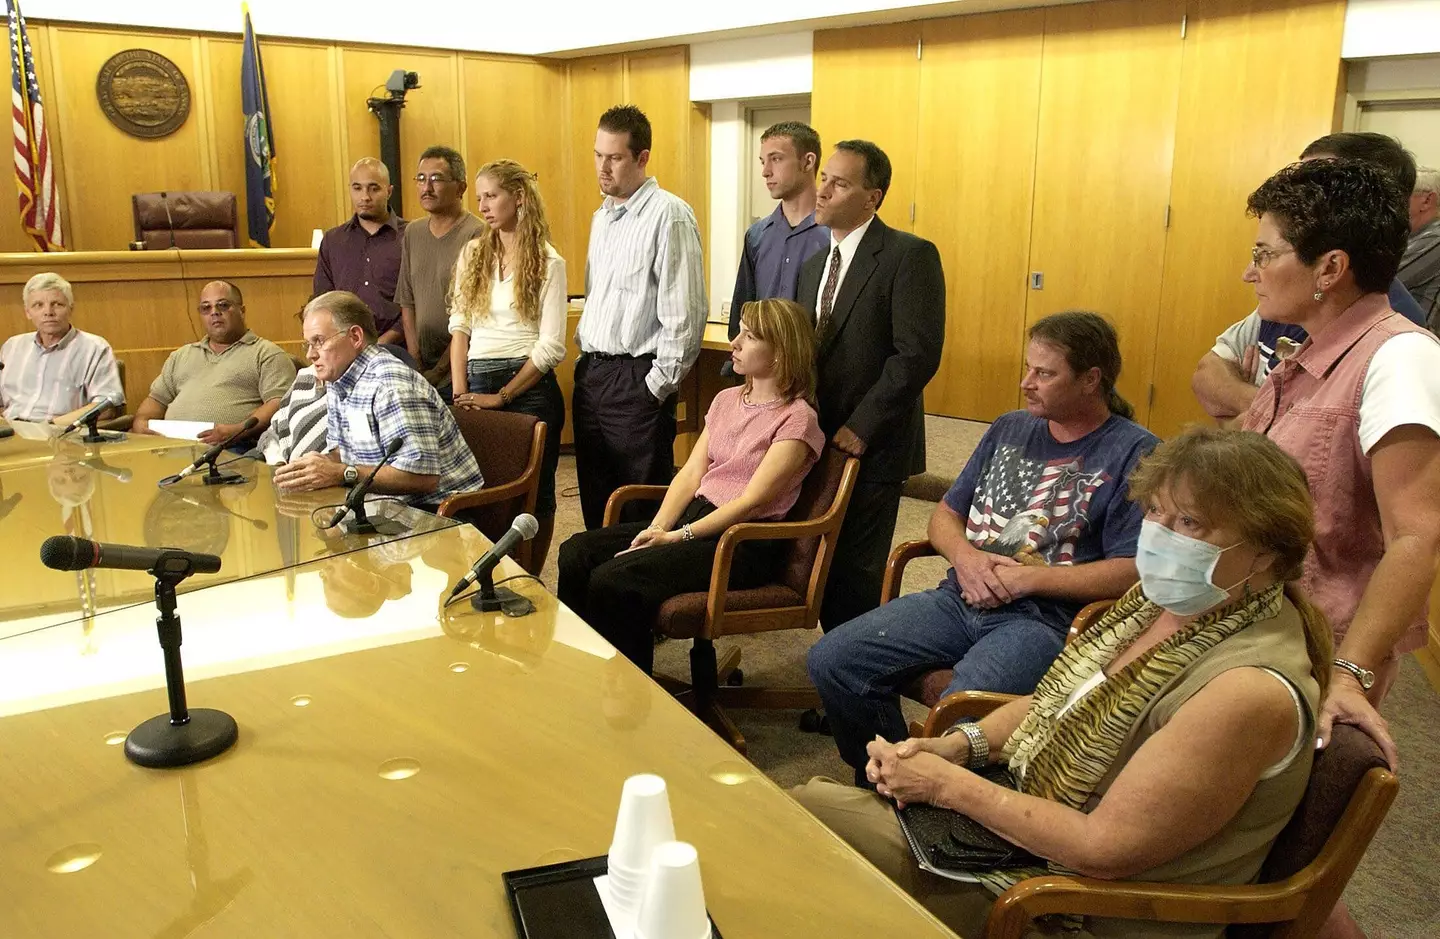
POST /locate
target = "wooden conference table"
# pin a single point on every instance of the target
(395, 757)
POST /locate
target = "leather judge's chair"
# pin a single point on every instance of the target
(193, 220)
(811, 529)
(1349, 792)
(509, 447)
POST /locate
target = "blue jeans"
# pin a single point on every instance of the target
(860, 667)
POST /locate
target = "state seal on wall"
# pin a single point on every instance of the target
(143, 93)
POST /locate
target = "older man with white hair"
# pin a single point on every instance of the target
(54, 373)
(1420, 267)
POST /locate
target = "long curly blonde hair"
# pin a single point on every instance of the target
(471, 291)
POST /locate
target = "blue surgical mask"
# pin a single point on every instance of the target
(1175, 570)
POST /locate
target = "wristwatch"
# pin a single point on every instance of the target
(1364, 676)
(352, 476)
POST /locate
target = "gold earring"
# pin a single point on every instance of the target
(1319, 294)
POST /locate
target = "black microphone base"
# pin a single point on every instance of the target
(103, 436)
(502, 600)
(373, 526)
(223, 479)
(159, 744)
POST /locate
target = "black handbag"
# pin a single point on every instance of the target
(947, 842)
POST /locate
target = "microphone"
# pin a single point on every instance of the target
(68, 553)
(91, 413)
(355, 501)
(169, 220)
(522, 529)
(100, 466)
(210, 455)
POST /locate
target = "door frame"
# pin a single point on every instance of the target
(748, 107)
(1356, 102)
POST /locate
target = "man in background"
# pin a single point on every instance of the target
(430, 247)
(363, 255)
(55, 372)
(779, 243)
(1420, 266)
(1227, 377)
(227, 377)
(643, 320)
(878, 296)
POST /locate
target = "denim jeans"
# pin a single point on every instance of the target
(859, 667)
(542, 399)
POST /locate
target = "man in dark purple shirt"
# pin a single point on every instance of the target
(779, 243)
(363, 255)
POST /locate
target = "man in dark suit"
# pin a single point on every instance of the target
(878, 296)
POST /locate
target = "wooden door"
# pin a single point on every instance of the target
(596, 84)
(1108, 99)
(1244, 113)
(979, 100)
(866, 85)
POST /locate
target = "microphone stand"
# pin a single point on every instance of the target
(93, 433)
(489, 598)
(183, 736)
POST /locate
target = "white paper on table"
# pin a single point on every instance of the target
(181, 430)
(33, 431)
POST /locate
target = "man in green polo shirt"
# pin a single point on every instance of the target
(227, 377)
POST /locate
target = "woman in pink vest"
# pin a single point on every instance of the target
(1359, 406)
(759, 441)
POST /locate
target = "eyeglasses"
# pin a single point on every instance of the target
(1261, 257)
(219, 306)
(433, 179)
(315, 345)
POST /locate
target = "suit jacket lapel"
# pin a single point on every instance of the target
(861, 267)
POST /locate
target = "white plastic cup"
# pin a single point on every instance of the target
(673, 906)
(643, 822)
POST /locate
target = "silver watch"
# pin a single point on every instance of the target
(1364, 676)
(352, 475)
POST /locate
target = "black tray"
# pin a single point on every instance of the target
(559, 901)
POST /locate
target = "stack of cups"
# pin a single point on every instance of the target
(644, 823)
(673, 906)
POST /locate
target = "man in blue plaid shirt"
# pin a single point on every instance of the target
(374, 399)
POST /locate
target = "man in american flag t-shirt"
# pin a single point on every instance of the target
(1038, 523)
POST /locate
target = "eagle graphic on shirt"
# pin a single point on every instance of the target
(1032, 510)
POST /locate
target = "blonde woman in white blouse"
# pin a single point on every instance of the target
(507, 319)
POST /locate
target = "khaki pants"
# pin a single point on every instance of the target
(868, 823)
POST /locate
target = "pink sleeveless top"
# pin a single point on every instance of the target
(1310, 406)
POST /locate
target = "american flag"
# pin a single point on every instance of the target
(34, 168)
(1038, 505)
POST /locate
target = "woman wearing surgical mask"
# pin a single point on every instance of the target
(1171, 742)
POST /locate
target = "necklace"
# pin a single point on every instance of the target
(745, 397)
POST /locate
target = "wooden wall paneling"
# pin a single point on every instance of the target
(1108, 100)
(979, 86)
(1244, 113)
(514, 110)
(699, 189)
(595, 83)
(105, 166)
(431, 115)
(867, 85)
(306, 161)
(657, 81)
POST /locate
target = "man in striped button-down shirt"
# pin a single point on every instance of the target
(55, 372)
(643, 320)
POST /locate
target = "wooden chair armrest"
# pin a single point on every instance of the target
(1171, 903)
(487, 496)
(972, 704)
(629, 494)
(895, 566)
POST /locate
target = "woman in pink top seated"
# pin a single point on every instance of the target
(758, 443)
